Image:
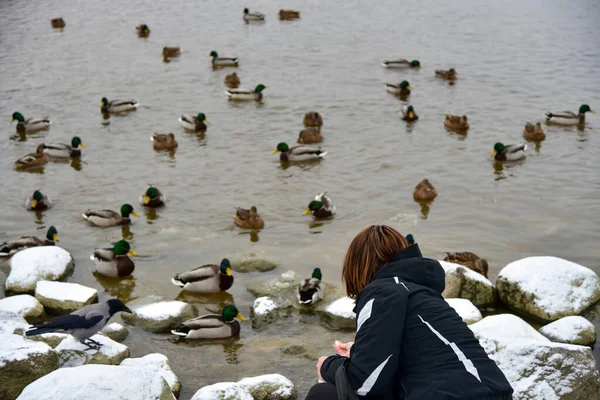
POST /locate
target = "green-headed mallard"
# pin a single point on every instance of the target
(246, 94)
(63, 150)
(38, 201)
(31, 124)
(321, 207)
(169, 52)
(163, 141)
(409, 114)
(58, 23)
(191, 123)
(33, 159)
(288, 14)
(223, 61)
(299, 153)
(402, 89)
(469, 260)
(456, 122)
(248, 219)
(401, 64)
(509, 152)
(446, 74)
(212, 326)
(310, 135)
(253, 15)
(115, 261)
(313, 119)
(569, 118)
(534, 133)
(152, 197)
(424, 191)
(309, 290)
(117, 106)
(410, 239)
(11, 247)
(232, 80)
(142, 30)
(110, 217)
(209, 278)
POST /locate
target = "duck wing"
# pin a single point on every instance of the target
(198, 274)
(23, 241)
(117, 103)
(36, 121)
(57, 146)
(242, 214)
(188, 118)
(240, 91)
(205, 322)
(563, 114)
(302, 149)
(226, 59)
(102, 214)
(105, 255)
(513, 148)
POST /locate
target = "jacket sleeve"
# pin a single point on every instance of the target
(374, 358)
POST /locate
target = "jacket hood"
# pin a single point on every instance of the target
(410, 265)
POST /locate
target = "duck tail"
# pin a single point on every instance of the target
(135, 104)
(85, 216)
(4, 251)
(228, 93)
(175, 281)
(549, 115)
(385, 64)
(181, 331)
(322, 154)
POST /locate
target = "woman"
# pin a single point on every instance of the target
(410, 344)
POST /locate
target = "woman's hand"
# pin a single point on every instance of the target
(343, 349)
(319, 364)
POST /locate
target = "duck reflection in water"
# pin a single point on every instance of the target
(126, 232)
(121, 288)
(76, 164)
(151, 215)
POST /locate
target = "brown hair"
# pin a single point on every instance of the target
(370, 250)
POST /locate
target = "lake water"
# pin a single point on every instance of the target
(516, 60)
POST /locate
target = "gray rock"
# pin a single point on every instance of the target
(573, 330)
(64, 298)
(12, 323)
(157, 363)
(51, 339)
(116, 332)
(162, 316)
(464, 283)
(74, 354)
(46, 263)
(466, 310)
(339, 315)
(25, 306)
(252, 265)
(300, 351)
(265, 387)
(274, 287)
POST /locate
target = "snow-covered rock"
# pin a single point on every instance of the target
(11, 323)
(62, 297)
(273, 287)
(45, 263)
(339, 314)
(116, 332)
(23, 305)
(466, 310)
(265, 387)
(51, 339)
(252, 265)
(536, 367)
(73, 353)
(99, 382)
(463, 283)
(160, 317)
(573, 330)
(158, 363)
(22, 361)
(263, 312)
(548, 288)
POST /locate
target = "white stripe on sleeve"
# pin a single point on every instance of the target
(370, 382)
(365, 314)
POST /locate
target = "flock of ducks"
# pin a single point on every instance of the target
(116, 262)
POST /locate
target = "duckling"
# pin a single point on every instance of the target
(409, 114)
(299, 153)
(248, 219)
(469, 260)
(410, 239)
(63, 150)
(313, 119)
(30, 125)
(401, 64)
(288, 14)
(38, 201)
(110, 217)
(114, 262)
(253, 15)
(209, 278)
(568, 118)
(310, 135)
(449, 75)
(510, 152)
(246, 94)
(33, 159)
(456, 122)
(534, 133)
(212, 326)
(309, 290)
(232, 80)
(7, 249)
(223, 61)
(142, 30)
(58, 23)
(117, 106)
(402, 89)
(152, 197)
(321, 206)
(169, 52)
(162, 141)
(424, 191)
(195, 124)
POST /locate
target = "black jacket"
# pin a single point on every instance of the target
(411, 344)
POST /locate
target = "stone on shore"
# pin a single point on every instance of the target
(64, 298)
(463, 283)
(264, 387)
(263, 312)
(252, 265)
(339, 314)
(29, 266)
(11, 323)
(273, 287)
(116, 332)
(72, 353)
(572, 330)
(466, 310)
(25, 306)
(548, 288)
(157, 363)
(161, 316)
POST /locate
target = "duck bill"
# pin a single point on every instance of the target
(410, 87)
(493, 153)
(275, 151)
(33, 203)
(82, 145)
(133, 253)
(55, 237)
(592, 111)
(411, 115)
(228, 271)
(306, 212)
(206, 120)
(146, 200)
(135, 214)
(240, 317)
(12, 120)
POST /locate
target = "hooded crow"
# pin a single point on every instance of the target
(83, 323)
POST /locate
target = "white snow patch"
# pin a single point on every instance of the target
(452, 267)
(161, 310)
(285, 386)
(37, 263)
(70, 345)
(342, 308)
(10, 322)
(567, 329)
(288, 276)
(465, 309)
(263, 305)
(17, 348)
(114, 327)
(63, 291)
(157, 363)
(22, 304)
(223, 390)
